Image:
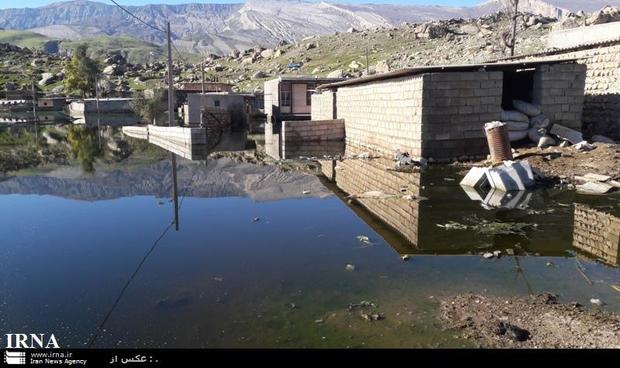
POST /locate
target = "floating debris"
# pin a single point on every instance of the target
(364, 239)
(256, 219)
(615, 287)
(596, 302)
(218, 279)
(349, 267)
(372, 317)
(405, 257)
(486, 227)
(362, 304)
(305, 192)
(318, 321)
(488, 255)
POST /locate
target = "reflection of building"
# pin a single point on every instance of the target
(359, 177)
(239, 106)
(597, 233)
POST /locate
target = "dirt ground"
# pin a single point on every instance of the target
(563, 163)
(539, 321)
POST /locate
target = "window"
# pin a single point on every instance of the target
(285, 98)
(309, 91)
(217, 103)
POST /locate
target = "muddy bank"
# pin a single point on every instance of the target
(534, 322)
(562, 164)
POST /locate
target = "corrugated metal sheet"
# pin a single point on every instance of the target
(445, 68)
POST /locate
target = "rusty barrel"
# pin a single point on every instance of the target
(499, 141)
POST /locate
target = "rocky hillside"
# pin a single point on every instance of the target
(222, 28)
(341, 53)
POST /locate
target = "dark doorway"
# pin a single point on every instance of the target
(518, 85)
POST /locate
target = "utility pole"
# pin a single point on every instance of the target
(34, 102)
(202, 70)
(170, 87)
(513, 40)
(367, 66)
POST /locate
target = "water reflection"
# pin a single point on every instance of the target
(427, 213)
(597, 233)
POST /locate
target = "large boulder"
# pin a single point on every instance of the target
(47, 79)
(268, 53)
(606, 15)
(355, 65)
(382, 66)
(335, 74)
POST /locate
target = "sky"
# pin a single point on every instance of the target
(35, 3)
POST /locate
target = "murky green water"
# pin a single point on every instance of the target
(259, 260)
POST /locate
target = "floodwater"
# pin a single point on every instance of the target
(91, 251)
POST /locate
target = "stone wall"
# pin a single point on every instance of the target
(455, 107)
(312, 130)
(559, 90)
(597, 233)
(384, 115)
(601, 106)
(324, 106)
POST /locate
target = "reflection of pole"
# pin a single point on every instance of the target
(520, 272)
(175, 192)
(34, 114)
(98, 117)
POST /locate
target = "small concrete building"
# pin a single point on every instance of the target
(237, 104)
(187, 89)
(290, 97)
(439, 111)
(103, 105)
(52, 103)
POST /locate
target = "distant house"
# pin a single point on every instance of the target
(196, 87)
(52, 103)
(290, 97)
(237, 104)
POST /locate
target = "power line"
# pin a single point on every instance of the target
(150, 26)
(137, 18)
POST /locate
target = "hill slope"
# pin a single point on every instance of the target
(220, 28)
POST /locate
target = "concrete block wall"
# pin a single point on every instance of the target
(559, 90)
(601, 105)
(324, 106)
(312, 130)
(456, 105)
(384, 115)
(297, 149)
(597, 233)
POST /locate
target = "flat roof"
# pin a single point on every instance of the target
(285, 78)
(445, 68)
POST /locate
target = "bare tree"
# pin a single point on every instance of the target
(509, 38)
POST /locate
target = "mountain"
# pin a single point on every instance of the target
(220, 28)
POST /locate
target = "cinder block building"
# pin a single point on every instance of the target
(439, 111)
(598, 48)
